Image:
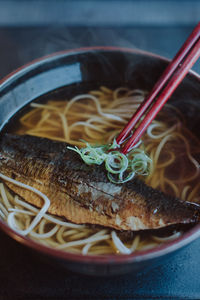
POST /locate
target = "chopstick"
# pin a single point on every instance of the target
(177, 70)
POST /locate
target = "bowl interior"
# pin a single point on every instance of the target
(73, 73)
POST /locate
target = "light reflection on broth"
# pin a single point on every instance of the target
(98, 117)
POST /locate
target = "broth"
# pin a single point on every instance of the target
(97, 117)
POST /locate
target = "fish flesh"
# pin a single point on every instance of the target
(82, 193)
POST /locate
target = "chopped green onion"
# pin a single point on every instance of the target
(121, 168)
(121, 177)
(116, 162)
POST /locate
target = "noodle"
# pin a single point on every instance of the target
(119, 245)
(40, 214)
(98, 117)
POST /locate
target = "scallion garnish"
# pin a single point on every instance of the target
(121, 168)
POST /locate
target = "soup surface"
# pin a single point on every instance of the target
(97, 117)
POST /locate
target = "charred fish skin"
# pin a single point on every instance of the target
(82, 193)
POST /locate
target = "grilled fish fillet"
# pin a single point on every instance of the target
(82, 193)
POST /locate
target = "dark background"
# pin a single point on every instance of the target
(34, 28)
(31, 29)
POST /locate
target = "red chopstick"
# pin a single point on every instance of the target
(177, 69)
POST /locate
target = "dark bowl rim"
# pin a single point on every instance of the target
(164, 249)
